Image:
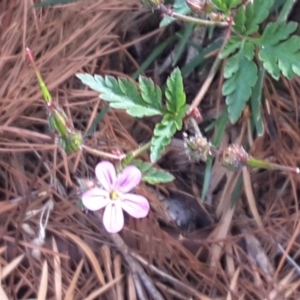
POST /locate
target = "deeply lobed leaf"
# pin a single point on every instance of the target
(232, 45)
(278, 52)
(241, 74)
(123, 94)
(163, 132)
(249, 17)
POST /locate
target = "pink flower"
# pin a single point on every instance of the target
(114, 195)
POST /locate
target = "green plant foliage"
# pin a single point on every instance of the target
(231, 46)
(53, 2)
(175, 92)
(162, 135)
(226, 5)
(151, 174)
(123, 94)
(150, 93)
(249, 17)
(241, 75)
(278, 51)
(255, 102)
(172, 120)
(179, 7)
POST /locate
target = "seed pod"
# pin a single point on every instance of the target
(58, 122)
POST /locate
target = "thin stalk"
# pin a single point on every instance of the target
(102, 153)
(188, 19)
(262, 164)
(213, 71)
(140, 150)
(198, 21)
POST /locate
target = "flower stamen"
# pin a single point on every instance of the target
(114, 195)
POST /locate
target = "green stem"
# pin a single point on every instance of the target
(262, 164)
(43, 87)
(140, 150)
(213, 71)
(102, 153)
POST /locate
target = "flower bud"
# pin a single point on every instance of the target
(71, 143)
(197, 148)
(234, 157)
(58, 122)
(85, 184)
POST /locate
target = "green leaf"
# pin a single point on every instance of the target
(226, 5)
(220, 126)
(255, 102)
(179, 7)
(278, 52)
(99, 117)
(53, 2)
(250, 16)
(175, 92)
(150, 92)
(241, 76)
(184, 39)
(286, 10)
(163, 132)
(151, 174)
(232, 45)
(123, 94)
(154, 54)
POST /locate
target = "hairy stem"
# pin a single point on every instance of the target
(188, 19)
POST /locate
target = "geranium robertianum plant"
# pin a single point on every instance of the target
(145, 99)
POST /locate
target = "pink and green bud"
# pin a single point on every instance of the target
(234, 157)
(198, 148)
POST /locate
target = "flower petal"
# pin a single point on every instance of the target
(128, 179)
(113, 218)
(95, 199)
(106, 174)
(136, 205)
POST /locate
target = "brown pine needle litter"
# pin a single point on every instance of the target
(51, 249)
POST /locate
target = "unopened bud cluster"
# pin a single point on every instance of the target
(197, 148)
(234, 157)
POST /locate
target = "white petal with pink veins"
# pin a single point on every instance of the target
(129, 178)
(95, 198)
(113, 218)
(106, 174)
(135, 205)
